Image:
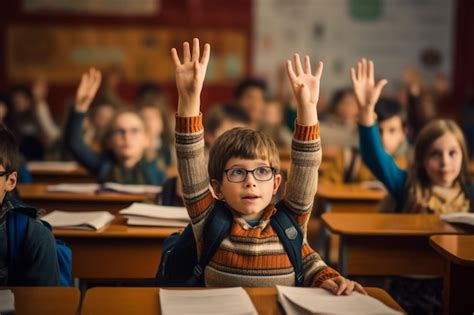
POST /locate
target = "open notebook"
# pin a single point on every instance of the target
(90, 220)
(458, 217)
(155, 215)
(211, 301)
(92, 188)
(7, 302)
(297, 301)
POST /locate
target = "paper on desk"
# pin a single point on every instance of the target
(64, 166)
(7, 301)
(297, 301)
(74, 187)
(208, 301)
(156, 211)
(458, 217)
(88, 220)
(144, 221)
(132, 189)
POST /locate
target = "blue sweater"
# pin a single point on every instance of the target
(104, 167)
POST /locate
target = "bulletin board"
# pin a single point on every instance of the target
(62, 54)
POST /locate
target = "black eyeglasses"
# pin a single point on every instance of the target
(5, 173)
(238, 174)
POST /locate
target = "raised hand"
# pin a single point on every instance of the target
(87, 89)
(366, 91)
(190, 75)
(305, 88)
(39, 89)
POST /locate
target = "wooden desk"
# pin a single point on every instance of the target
(48, 172)
(145, 301)
(46, 300)
(39, 197)
(388, 244)
(349, 197)
(116, 252)
(458, 254)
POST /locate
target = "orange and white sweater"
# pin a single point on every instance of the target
(253, 256)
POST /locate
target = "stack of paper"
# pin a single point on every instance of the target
(296, 300)
(210, 301)
(92, 188)
(7, 302)
(74, 188)
(91, 220)
(458, 217)
(155, 215)
(53, 166)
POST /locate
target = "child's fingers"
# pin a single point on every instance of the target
(296, 59)
(307, 65)
(319, 70)
(174, 55)
(330, 285)
(342, 286)
(364, 68)
(359, 70)
(186, 53)
(195, 54)
(350, 287)
(370, 71)
(291, 73)
(353, 76)
(380, 85)
(359, 288)
(206, 54)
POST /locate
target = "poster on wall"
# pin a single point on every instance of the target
(107, 7)
(62, 54)
(339, 32)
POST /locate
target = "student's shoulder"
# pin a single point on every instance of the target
(38, 234)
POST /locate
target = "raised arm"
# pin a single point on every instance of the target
(373, 154)
(190, 73)
(306, 147)
(86, 91)
(43, 113)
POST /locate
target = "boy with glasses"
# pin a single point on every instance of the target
(37, 263)
(244, 172)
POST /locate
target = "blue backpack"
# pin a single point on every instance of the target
(179, 266)
(17, 223)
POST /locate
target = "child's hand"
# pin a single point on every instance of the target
(366, 91)
(87, 89)
(190, 77)
(305, 89)
(340, 285)
(39, 90)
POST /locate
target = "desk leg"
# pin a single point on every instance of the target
(458, 297)
(342, 256)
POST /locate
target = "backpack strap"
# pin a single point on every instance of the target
(16, 229)
(291, 236)
(216, 228)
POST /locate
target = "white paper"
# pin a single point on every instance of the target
(374, 185)
(74, 187)
(144, 221)
(53, 166)
(458, 217)
(207, 301)
(321, 301)
(92, 220)
(156, 211)
(7, 301)
(132, 189)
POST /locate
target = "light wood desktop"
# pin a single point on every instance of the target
(145, 301)
(39, 197)
(374, 244)
(46, 300)
(348, 197)
(51, 175)
(117, 251)
(458, 254)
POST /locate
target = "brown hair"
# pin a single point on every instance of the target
(9, 154)
(161, 105)
(418, 182)
(242, 143)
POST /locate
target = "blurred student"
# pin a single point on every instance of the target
(273, 125)
(123, 159)
(250, 95)
(437, 181)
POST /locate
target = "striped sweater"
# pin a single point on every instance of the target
(252, 256)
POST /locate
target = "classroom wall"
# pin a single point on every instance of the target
(193, 16)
